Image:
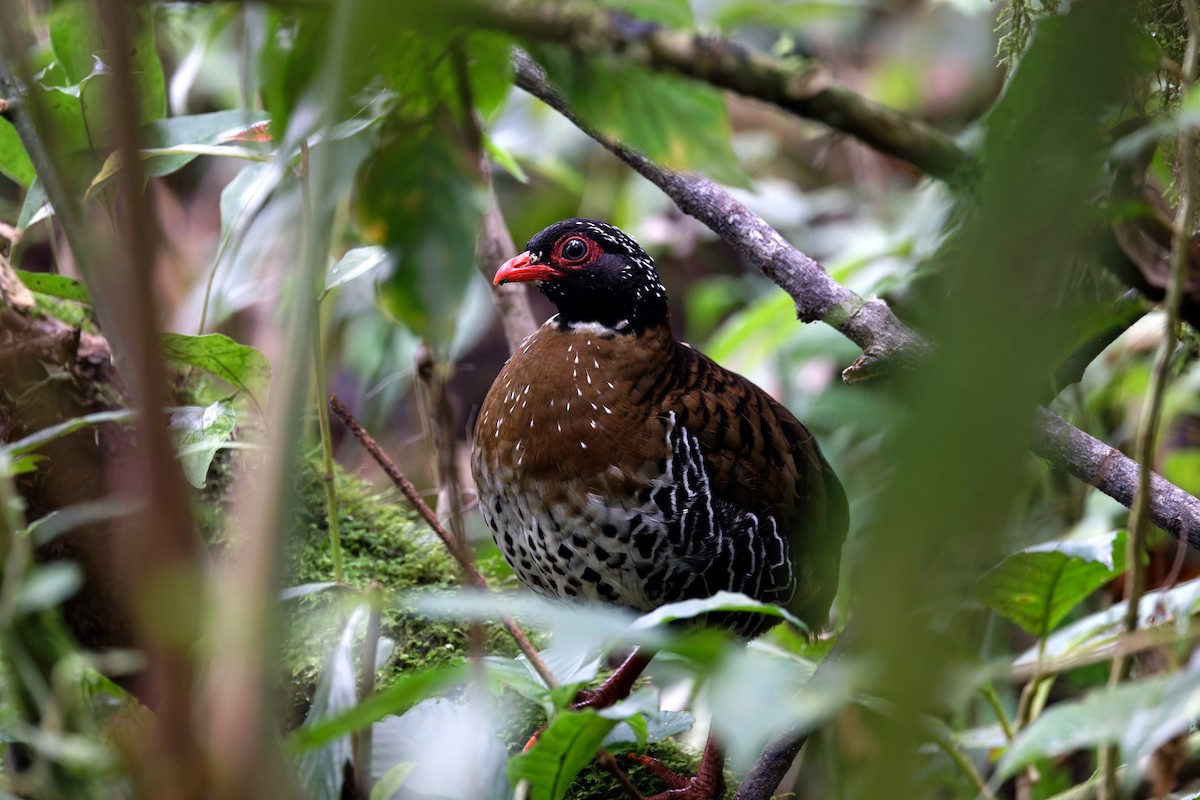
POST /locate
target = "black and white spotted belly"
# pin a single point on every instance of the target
(670, 541)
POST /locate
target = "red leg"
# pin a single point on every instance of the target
(618, 685)
(709, 783)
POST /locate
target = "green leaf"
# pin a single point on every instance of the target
(34, 207)
(719, 602)
(242, 366)
(59, 286)
(35, 440)
(419, 196)
(199, 433)
(568, 744)
(14, 161)
(1097, 632)
(1139, 717)
(49, 585)
(1037, 587)
(354, 264)
(679, 123)
(404, 692)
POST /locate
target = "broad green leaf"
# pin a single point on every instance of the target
(1139, 717)
(242, 366)
(75, 39)
(48, 585)
(789, 13)
(679, 123)
(59, 286)
(355, 263)
(568, 744)
(14, 161)
(403, 693)
(719, 602)
(419, 197)
(1037, 587)
(199, 433)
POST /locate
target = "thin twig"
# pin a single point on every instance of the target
(606, 760)
(465, 562)
(964, 764)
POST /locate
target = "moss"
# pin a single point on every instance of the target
(384, 542)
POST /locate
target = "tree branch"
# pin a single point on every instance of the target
(802, 87)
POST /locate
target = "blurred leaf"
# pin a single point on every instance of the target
(14, 161)
(172, 158)
(505, 159)
(391, 781)
(567, 745)
(719, 602)
(453, 747)
(56, 286)
(305, 589)
(788, 13)
(63, 520)
(681, 124)
(1038, 586)
(322, 759)
(642, 722)
(355, 263)
(35, 440)
(49, 585)
(242, 366)
(418, 196)
(1139, 716)
(406, 690)
(74, 38)
(198, 434)
(1182, 468)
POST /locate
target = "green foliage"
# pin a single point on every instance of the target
(241, 366)
(1037, 587)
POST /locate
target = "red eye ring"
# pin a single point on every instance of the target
(567, 253)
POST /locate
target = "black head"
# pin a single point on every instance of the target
(592, 272)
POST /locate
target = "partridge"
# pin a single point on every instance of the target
(615, 464)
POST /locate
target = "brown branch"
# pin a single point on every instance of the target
(1116, 474)
(456, 549)
(802, 87)
(885, 340)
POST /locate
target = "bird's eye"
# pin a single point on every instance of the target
(574, 249)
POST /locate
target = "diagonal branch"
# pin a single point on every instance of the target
(802, 87)
(885, 340)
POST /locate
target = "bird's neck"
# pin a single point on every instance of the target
(631, 317)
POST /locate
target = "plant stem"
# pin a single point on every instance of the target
(1147, 439)
(989, 694)
(318, 350)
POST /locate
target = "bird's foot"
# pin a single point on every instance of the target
(707, 784)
